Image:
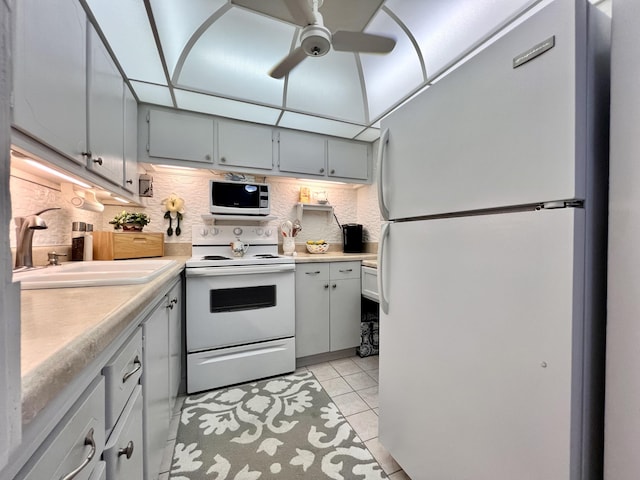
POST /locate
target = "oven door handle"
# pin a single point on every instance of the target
(239, 270)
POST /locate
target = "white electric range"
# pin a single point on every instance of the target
(240, 311)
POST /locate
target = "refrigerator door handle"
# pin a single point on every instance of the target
(382, 147)
(384, 303)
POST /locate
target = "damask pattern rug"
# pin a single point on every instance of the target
(281, 428)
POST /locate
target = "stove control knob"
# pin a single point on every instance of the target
(268, 232)
(237, 231)
(259, 231)
(204, 231)
(215, 231)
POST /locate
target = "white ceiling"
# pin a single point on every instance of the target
(213, 56)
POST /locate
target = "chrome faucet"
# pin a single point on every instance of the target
(24, 236)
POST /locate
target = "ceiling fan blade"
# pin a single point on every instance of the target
(288, 63)
(301, 12)
(345, 41)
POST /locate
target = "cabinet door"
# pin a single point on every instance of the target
(50, 74)
(123, 452)
(106, 91)
(245, 145)
(175, 341)
(130, 136)
(77, 441)
(302, 153)
(155, 389)
(349, 159)
(345, 314)
(312, 309)
(180, 136)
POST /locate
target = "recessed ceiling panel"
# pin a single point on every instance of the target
(444, 30)
(391, 77)
(130, 37)
(177, 22)
(150, 93)
(223, 107)
(233, 58)
(298, 121)
(328, 86)
(337, 14)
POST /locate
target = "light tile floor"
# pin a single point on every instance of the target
(352, 383)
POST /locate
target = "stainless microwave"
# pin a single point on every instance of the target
(238, 198)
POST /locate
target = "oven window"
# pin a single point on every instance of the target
(242, 298)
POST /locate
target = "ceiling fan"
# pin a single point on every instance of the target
(316, 39)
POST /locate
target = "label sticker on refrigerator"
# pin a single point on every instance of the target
(534, 52)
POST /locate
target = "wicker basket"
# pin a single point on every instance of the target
(318, 248)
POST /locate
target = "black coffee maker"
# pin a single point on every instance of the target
(352, 237)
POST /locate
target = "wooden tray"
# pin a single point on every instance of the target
(117, 246)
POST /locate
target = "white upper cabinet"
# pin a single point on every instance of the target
(50, 74)
(348, 159)
(302, 153)
(106, 114)
(177, 135)
(244, 145)
(130, 142)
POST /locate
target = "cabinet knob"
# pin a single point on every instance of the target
(130, 181)
(98, 161)
(332, 171)
(322, 170)
(128, 450)
(207, 157)
(333, 286)
(326, 285)
(86, 154)
(223, 160)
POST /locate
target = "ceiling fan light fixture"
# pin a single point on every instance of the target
(316, 40)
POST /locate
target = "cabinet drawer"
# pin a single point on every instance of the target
(340, 270)
(123, 452)
(121, 376)
(318, 271)
(76, 443)
(117, 246)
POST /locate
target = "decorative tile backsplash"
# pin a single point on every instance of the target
(351, 205)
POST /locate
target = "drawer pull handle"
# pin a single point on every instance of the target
(128, 450)
(317, 272)
(138, 366)
(87, 441)
(346, 270)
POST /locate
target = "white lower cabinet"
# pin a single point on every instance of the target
(99, 472)
(157, 392)
(123, 453)
(370, 283)
(74, 448)
(175, 341)
(327, 307)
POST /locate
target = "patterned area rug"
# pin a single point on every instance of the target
(281, 428)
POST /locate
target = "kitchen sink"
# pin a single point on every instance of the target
(92, 274)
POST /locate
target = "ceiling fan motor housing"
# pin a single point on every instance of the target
(316, 40)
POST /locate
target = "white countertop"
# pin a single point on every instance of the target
(64, 329)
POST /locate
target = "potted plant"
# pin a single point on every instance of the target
(130, 221)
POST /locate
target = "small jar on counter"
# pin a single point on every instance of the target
(88, 243)
(78, 230)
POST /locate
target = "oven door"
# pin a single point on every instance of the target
(239, 304)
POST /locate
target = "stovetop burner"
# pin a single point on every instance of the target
(266, 255)
(215, 257)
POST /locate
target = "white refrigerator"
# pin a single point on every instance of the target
(492, 259)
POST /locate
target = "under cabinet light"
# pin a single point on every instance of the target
(58, 174)
(121, 200)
